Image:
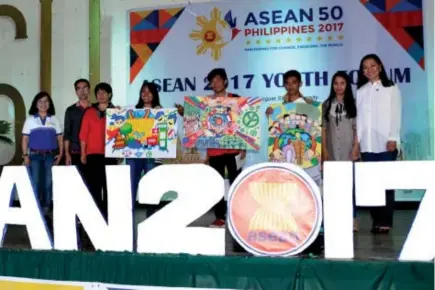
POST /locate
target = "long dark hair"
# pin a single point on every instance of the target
(34, 108)
(152, 87)
(362, 79)
(348, 100)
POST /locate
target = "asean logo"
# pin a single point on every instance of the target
(214, 33)
(274, 210)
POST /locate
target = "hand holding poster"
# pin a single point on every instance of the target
(141, 133)
(295, 134)
(222, 122)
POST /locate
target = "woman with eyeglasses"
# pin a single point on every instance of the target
(42, 146)
(339, 124)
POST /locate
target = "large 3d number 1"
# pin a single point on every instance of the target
(199, 188)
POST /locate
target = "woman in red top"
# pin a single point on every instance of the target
(92, 142)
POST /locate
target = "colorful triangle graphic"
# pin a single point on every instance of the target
(390, 4)
(404, 5)
(146, 34)
(404, 21)
(372, 8)
(144, 25)
(164, 17)
(417, 3)
(135, 19)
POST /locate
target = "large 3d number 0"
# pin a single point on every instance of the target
(199, 188)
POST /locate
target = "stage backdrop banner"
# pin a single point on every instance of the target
(141, 133)
(231, 123)
(257, 41)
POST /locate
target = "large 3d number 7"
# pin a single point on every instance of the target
(199, 188)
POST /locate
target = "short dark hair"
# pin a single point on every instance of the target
(292, 73)
(217, 72)
(152, 87)
(81, 81)
(34, 108)
(103, 87)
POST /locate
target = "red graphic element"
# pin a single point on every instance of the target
(152, 141)
(234, 33)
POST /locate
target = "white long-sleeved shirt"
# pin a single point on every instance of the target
(379, 114)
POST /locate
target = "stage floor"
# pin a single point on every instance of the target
(367, 246)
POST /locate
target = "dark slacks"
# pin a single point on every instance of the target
(95, 177)
(75, 161)
(382, 216)
(219, 163)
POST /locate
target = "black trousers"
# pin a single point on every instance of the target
(219, 163)
(75, 161)
(382, 216)
(95, 177)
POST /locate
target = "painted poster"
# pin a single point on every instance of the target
(141, 133)
(230, 123)
(295, 134)
(317, 38)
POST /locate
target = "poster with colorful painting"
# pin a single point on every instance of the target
(295, 134)
(141, 133)
(222, 122)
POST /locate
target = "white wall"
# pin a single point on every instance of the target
(19, 63)
(20, 59)
(70, 50)
(114, 35)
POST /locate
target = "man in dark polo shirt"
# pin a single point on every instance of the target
(73, 119)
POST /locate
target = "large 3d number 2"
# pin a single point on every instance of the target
(199, 188)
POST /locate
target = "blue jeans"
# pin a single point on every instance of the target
(138, 167)
(40, 174)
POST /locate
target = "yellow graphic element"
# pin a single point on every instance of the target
(341, 37)
(258, 41)
(330, 37)
(143, 51)
(268, 41)
(298, 39)
(274, 200)
(319, 38)
(9, 285)
(248, 42)
(278, 41)
(142, 125)
(289, 39)
(309, 38)
(210, 34)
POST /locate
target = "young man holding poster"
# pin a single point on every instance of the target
(293, 83)
(220, 159)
